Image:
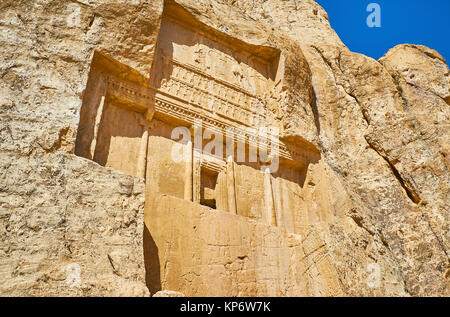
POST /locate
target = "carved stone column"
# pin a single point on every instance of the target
(98, 118)
(188, 183)
(144, 120)
(196, 175)
(197, 160)
(231, 186)
(142, 160)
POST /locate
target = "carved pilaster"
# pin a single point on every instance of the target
(196, 175)
(98, 118)
(231, 186)
(142, 160)
(188, 183)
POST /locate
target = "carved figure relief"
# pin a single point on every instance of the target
(197, 78)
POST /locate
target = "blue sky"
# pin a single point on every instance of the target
(425, 22)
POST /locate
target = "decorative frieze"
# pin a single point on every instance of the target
(203, 91)
(164, 103)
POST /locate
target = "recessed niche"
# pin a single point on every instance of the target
(208, 183)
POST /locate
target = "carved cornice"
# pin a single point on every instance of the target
(204, 91)
(169, 105)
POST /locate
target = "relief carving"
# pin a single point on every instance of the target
(195, 79)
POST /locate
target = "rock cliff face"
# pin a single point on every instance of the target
(370, 212)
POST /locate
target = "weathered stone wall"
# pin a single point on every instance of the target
(381, 127)
(60, 213)
(57, 209)
(203, 252)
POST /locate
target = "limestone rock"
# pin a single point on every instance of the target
(168, 294)
(359, 206)
(68, 230)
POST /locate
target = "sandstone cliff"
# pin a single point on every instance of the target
(381, 127)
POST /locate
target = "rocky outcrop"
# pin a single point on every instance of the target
(381, 127)
(168, 294)
(68, 226)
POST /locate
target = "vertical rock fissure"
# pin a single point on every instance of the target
(414, 197)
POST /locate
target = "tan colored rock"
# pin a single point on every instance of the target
(63, 237)
(358, 206)
(214, 253)
(168, 294)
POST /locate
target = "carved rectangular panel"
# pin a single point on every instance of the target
(204, 72)
(198, 75)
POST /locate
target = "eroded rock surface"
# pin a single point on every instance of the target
(374, 198)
